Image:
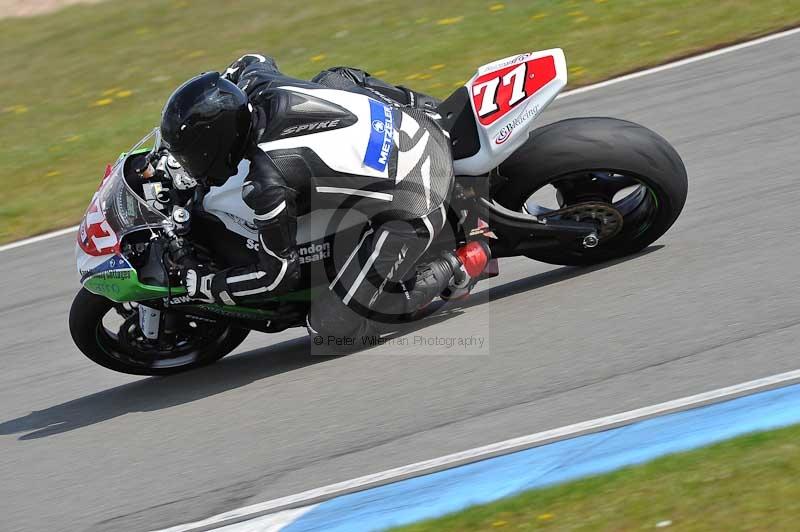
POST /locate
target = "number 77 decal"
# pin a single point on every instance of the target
(496, 93)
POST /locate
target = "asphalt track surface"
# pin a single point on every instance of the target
(714, 302)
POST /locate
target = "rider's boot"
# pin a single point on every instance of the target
(330, 316)
(450, 273)
(472, 254)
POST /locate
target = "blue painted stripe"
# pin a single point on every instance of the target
(451, 490)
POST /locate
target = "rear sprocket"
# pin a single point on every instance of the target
(608, 218)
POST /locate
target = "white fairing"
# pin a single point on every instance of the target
(343, 150)
(226, 203)
(506, 96)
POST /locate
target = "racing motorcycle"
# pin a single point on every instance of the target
(574, 192)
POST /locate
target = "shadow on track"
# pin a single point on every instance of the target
(440, 311)
(156, 393)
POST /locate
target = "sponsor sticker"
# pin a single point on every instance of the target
(177, 300)
(380, 145)
(249, 226)
(114, 268)
(314, 252)
(505, 132)
(314, 126)
(307, 253)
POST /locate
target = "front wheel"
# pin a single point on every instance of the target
(574, 166)
(108, 333)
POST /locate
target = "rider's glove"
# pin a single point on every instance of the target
(197, 279)
(195, 276)
(234, 72)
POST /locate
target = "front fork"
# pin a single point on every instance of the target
(157, 324)
(149, 321)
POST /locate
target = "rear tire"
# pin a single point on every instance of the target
(583, 145)
(90, 335)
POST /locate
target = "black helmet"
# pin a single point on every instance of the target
(205, 125)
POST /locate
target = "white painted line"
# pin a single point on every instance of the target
(39, 238)
(573, 92)
(481, 453)
(269, 523)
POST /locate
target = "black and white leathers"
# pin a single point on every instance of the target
(319, 144)
(266, 191)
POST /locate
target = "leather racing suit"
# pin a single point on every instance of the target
(399, 174)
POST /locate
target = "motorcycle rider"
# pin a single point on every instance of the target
(214, 121)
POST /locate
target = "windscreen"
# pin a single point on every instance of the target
(116, 210)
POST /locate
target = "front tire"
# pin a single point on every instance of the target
(575, 153)
(114, 351)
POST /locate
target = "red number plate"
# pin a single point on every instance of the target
(496, 93)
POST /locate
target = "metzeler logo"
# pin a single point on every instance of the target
(379, 147)
(387, 136)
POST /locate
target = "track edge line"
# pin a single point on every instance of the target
(478, 454)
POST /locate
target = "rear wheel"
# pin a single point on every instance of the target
(108, 333)
(626, 178)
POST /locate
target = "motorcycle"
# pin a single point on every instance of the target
(575, 192)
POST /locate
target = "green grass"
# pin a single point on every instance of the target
(748, 483)
(82, 84)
